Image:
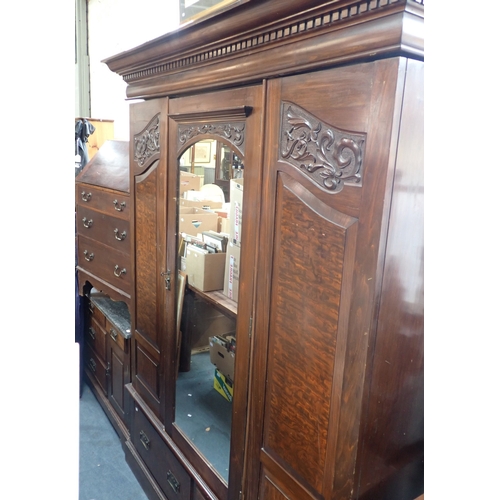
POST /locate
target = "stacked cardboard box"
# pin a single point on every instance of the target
(193, 220)
(189, 182)
(222, 350)
(204, 270)
(232, 271)
(223, 386)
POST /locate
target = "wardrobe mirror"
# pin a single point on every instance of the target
(209, 238)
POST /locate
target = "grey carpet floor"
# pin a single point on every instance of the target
(104, 473)
(203, 414)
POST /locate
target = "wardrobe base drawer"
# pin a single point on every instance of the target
(161, 462)
(97, 367)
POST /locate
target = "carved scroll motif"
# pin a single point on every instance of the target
(329, 156)
(147, 142)
(232, 132)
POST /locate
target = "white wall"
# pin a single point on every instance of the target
(113, 27)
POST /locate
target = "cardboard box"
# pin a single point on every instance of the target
(205, 271)
(223, 386)
(195, 220)
(189, 182)
(232, 271)
(236, 210)
(221, 356)
(223, 225)
(212, 205)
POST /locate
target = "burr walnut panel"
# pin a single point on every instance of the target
(308, 274)
(145, 254)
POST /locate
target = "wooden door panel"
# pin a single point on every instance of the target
(326, 167)
(145, 254)
(148, 155)
(313, 248)
(269, 490)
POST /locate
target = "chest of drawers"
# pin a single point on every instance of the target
(103, 222)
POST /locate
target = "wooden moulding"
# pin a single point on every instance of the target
(262, 40)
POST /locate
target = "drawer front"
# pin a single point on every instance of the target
(111, 231)
(116, 337)
(97, 314)
(96, 338)
(114, 203)
(166, 469)
(97, 367)
(105, 262)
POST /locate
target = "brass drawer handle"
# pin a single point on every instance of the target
(86, 196)
(120, 272)
(144, 440)
(119, 206)
(92, 364)
(172, 481)
(120, 236)
(87, 223)
(88, 257)
(92, 333)
(113, 334)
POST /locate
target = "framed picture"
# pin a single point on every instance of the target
(202, 151)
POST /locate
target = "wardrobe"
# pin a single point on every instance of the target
(319, 107)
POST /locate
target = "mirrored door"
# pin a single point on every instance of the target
(209, 208)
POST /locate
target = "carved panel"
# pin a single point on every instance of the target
(233, 132)
(147, 142)
(331, 157)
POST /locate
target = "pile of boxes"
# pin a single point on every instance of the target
(210, 256)
(222, 351)
(211, 267)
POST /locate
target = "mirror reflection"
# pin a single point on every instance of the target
(209, 208)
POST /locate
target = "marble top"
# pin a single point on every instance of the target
(116, 312)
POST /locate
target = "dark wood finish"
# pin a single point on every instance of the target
(103, 206)
(147, 171)
(107, 356)
(97, 367)
(95, 336)
(168, 472)
(109, 168)
(221, 108)
(394, 416)
(112, 231)
(329, 366)
(224, 304)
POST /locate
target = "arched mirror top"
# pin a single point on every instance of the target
(226, 125)
(183, 147)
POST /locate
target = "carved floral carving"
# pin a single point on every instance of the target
(147, 142)
(331, 157)
(232, 132)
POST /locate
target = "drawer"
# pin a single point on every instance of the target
(105, 262)
(166, 469)
(113, 203)
(116, 337)
(107, 229)
(95, 336)
(97, 367)
(97, 314)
